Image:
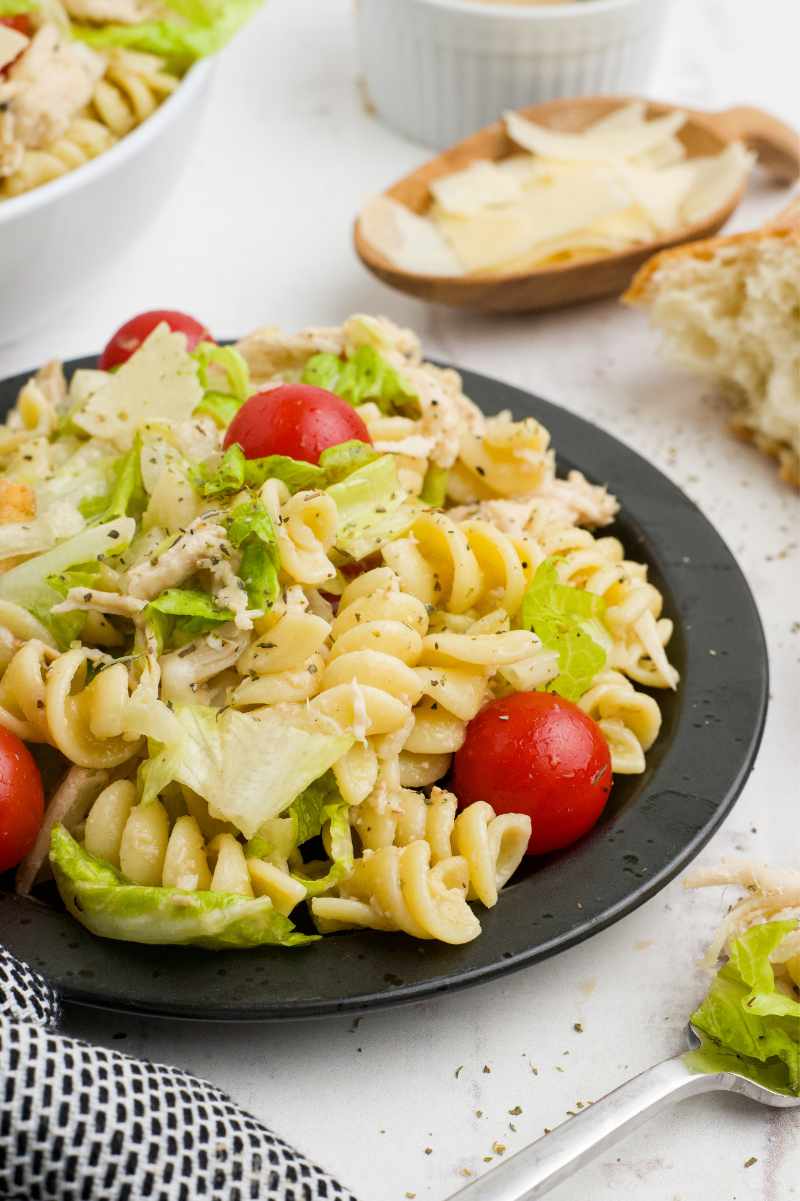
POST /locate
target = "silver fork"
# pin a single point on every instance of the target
(538, 1168)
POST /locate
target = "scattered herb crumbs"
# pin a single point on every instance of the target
(488, 1159)
(458, 1071)
(748, 1163)
(486, 1069)
(578, 1028)
(411, 1196)
(559, 1068)
(547, 1130)
(467, 1172)
(499, 1148)
(429, 1150)
(478, 1113)
(516, 1111)
(512, 1127)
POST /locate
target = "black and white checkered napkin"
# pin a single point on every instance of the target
(80, 1123)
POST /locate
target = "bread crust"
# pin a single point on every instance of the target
(785, 226)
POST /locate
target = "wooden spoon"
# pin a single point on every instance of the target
(776, 145)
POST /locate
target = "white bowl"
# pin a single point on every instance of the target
(57, 237)
(437, 70)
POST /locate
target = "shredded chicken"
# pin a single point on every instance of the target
(587, 504)
(69, 805)
(199, 546)
(183, 671)
(120, 12)
(91, 600)
(773, 893)
(270, 353)
(48, 86)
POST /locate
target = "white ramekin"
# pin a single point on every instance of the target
(56, 238)
(438, 70)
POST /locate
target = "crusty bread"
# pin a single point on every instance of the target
(729, 307)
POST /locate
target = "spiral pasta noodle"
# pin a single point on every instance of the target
(630, 720)
(130, 91)
(85, 139)
(305, 527)
(149, 849)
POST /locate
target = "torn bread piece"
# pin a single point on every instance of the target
(729, 307)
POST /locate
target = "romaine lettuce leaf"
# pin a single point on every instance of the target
(320, 804)
(127, 497)
(190, 613)
(434, 486)
(342, 460)
(28, 585)
(250, 529)
(364, 376)
(11, 8)
(200, 27)
(221, 407)
(248, 767)
(745, 1016)
(557, 614)
(218, 365)
(234, 472)
(373, 508)
(102, 900)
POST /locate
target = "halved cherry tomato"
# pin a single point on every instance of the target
(130, 336)
(296, 420)
(22, 24)
(539, 754)
(21, 800)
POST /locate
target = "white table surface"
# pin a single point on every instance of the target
(259, 232)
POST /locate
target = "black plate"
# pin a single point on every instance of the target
(654, 824)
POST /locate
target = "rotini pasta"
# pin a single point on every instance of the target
(264, 668)
(64, 104)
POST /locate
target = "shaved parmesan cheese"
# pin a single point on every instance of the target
(660, 194)
(480, 185)
(12, 43)
(565, 197)
(613, 145)
(159, 381)
(717, 179)
(503, 234)
(410, 242)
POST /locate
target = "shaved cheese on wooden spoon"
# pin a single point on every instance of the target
(613, 145)
(410, 242)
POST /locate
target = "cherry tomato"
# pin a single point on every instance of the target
(539, 754)
(297, 420)
(22, 24)
(21, 800)
(130, 336)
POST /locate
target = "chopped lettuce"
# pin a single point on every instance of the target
(159, 382)
(248, 768)
(364, 376)
(558, 614)
(234, 472)
(373, 508)
(29, 584)
(12, 8)
(319, 804)
(215, 364)
(342, 460)
(434, 486)
(127, 497)
(250, 530)
(746, 1024)
(189, 613)
(102, 900)
(199, 28)
(221, 407)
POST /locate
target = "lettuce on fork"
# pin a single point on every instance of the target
(747, 1023)
(102, 900)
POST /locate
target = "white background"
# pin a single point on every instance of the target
(259, 232)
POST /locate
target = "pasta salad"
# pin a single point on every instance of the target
(299, 631)
(78, 75)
